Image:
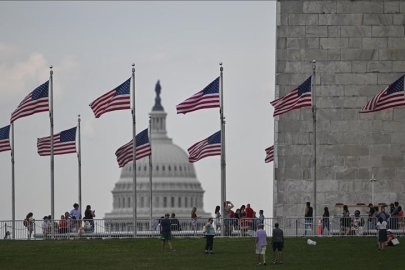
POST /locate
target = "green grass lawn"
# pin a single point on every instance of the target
(330, 253)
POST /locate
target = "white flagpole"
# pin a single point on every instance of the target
(150, 173)
(12, 179)
(79, 162)
(314, 128)
(223, 157)
(134, 146)
(52, 159)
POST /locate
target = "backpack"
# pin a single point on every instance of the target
(26, 222)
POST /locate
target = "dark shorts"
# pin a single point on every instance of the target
(166, 236)
(278, 246)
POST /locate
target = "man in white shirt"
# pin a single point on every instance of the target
(75, 212)
(45, 226)
(76, 216)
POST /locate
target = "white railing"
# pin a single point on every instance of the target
(114, 228)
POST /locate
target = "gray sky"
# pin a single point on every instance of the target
(92, 46)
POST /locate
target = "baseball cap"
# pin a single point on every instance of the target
(389, 230)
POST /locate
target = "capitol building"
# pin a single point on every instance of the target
(175, 187)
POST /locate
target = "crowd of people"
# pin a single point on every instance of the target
(244, 216)
(69, 222)
(243, 219)
(356, 224)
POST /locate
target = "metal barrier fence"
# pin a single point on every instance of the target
(114, 228)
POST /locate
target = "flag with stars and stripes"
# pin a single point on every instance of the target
(269, 154)
(392, 96)
(298, 98)
(63, 143)
(117, 99)
(205, 99)
(5, 139)
(125, 153)
(37, 101)
(210, 146)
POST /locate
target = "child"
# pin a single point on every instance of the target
(382, 233)
(278, 243)
(260, 244)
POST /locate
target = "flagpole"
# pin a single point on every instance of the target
(134, 146)
(150, 172)
(223, 158)
(12, 179)
(79, 162)
(52, 159)
(314, 127)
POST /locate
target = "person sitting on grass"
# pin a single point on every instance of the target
(278, 243)
(165, 232)
(261, 244)
(390, 237)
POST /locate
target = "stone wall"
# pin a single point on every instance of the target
(360, 49)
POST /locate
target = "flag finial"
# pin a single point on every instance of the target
(133, 67)
(221, 68)
(51, 67)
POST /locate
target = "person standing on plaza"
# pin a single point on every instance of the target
(166, 233)
(209, 233)
(325, 220)
(76, 215)
(261, 244)
(278, 244)
(217, 218)
(29, 222)
(308, 217)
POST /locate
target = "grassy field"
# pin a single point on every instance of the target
(329, 253)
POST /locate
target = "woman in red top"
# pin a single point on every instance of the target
(62, 224)
(194, 219)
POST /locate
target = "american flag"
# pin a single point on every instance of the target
(117, 99)
(63, 143)
(205, 99)
(125, 153)
(392, 96)
(269, 154)
(5, 139)
(210, 146)
(297, 98)
(36, 101)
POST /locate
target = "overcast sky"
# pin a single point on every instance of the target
(92, 46)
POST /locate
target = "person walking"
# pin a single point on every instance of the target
(278, 244)
(209, 232)
(166, 233)
(261, 244)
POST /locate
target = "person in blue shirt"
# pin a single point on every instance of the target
(166, 233)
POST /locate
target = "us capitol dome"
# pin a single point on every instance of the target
(175, 187)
